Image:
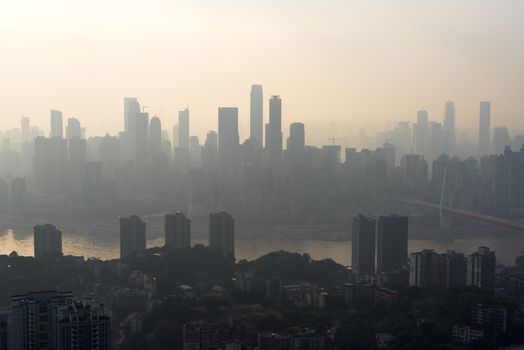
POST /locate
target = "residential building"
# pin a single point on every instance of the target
(481, 269)
(33, 317)
(132, 236)
(423, 269)
(83, 326)
(177, 231)
(222, 232)
(363, 245)
(392, 243)
(47, 241)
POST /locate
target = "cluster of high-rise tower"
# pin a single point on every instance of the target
(380, 246)
(432, 138)
(146, 168)
(177, 233)
(144, 160)
(428, 269)
(133, 235)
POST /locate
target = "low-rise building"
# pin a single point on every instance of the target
(465, 335)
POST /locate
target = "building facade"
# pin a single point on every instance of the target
(177, 231)
(132, 236)
(47, 241)
(481, 269)
(363, 245)
(222, 232)
(392, 243)
(33, 317)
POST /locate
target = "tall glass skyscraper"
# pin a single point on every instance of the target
(256, 114)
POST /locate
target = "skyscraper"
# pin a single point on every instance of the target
(449, 116)
(274, 128)
(25, 129)
(448, 128)
(77, 158)
(228, 138)
(222, 232)
(34, 319)
(131, 108)
(392, 243)
(500, 139)
(132, 236)
(82, 326)
(47, 241)
(57, 127)
(420, 133)
(183, 129)
(296, 143)
(256, 114)
(50, 164)
(481, 269)
(210, 151)
(73, 128)
(175, 136)
(363, 245)
(484, 127)
(435, 140)
(155, 135)
(177, 229)
(131, 111)
(141, 140)
(507, 173)
(195, 153)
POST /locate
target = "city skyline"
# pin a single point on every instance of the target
(261, 175)
(360, 138)
(442, 51)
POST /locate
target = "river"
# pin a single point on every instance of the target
(92, 242)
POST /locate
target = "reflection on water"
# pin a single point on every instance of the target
(104, 247)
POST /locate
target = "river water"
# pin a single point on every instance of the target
(105, 245)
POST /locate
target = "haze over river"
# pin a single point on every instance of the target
(101, 240)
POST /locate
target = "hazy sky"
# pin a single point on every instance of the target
(362, 62)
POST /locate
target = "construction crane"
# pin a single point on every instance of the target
(333, 139)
